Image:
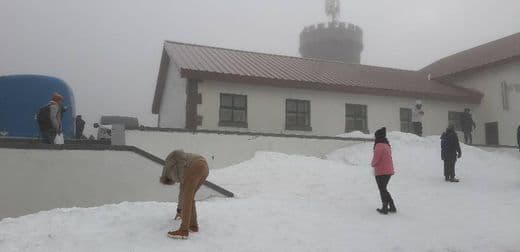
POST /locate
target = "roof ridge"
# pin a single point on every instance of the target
(292, 57)
(264, 53)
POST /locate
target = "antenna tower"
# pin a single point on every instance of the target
(332, 8)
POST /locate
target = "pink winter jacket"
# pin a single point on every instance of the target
(382, 160)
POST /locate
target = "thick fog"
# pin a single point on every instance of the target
(109, 50)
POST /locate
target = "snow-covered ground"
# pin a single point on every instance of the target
(356, 134)
(297, 203)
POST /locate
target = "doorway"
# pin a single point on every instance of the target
(492, 133)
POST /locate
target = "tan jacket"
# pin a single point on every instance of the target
(175, 166)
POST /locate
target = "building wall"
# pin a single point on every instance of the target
(172, 112)
(266, 109)
(40, 180)
(488, 81)
(223, 150)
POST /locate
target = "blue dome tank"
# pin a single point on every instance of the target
(21, 96)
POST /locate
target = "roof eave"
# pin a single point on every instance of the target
(448, 76)
(161, 82)
(473, 98)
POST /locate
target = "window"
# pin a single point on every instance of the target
(233, 110)
(356, 118)
(505, 95)
(297, 115)
(454, 118)
(405, 115)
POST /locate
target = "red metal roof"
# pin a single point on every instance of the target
(489, 54)
(211, 63)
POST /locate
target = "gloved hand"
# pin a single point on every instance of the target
(166, 181)
(460, 155)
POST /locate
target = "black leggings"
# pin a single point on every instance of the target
(386, 198)
(417, 128)
(468, 138)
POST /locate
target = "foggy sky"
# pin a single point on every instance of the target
(109, 50)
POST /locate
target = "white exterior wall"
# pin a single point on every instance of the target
(488, 81)
(266, 109)
(225, 150)
(40, 180)
(172, 112)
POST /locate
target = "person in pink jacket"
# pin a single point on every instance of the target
(383, 170)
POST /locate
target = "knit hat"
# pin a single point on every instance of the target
(451, 127)
(418, 102)
(380, 133)
(57, 97)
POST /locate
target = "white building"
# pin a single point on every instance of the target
(208, 88)
(494, 70)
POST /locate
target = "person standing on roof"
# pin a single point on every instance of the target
(49, 119)
(80, 126)
(103, 133)
(417, 117)
(468, 125)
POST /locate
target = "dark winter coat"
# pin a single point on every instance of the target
(450, 147)
(80, 126)
(466, 122)
(518, 136)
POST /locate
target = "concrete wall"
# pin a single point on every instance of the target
(172, 112)
(266, 109)
(224, 150)
(38, 180)
(488, 81)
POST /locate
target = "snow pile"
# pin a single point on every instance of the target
(356, 134)
(297, 203)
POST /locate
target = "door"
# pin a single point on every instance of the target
(492, 133)
(405, 115)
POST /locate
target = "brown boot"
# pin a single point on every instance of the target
(179, 234)
(194, 229)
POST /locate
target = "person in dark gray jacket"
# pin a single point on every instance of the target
(468, 125)
(450, 152)
(80, 126)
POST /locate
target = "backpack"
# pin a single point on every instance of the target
(444, 145)
(44, 118)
